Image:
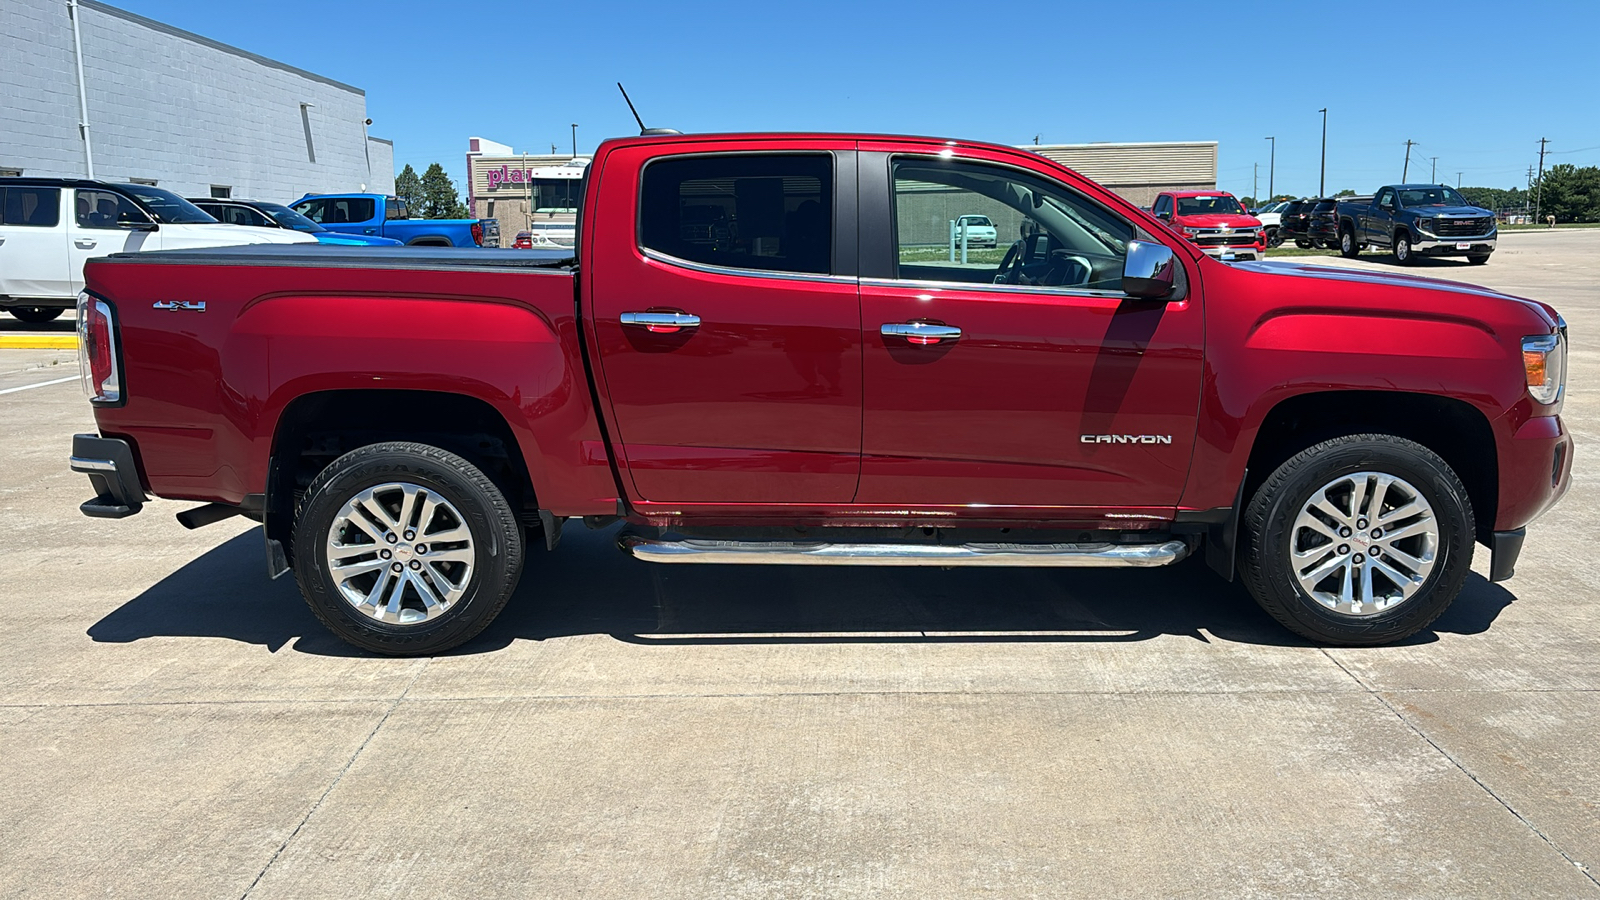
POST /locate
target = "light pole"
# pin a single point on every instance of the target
(1322, 180)
(1272, 167)
(574, 140)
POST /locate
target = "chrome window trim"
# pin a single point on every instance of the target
(995, 288)
(670, 260)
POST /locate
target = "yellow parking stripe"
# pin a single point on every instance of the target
(38, 342)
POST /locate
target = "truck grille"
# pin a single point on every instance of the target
(1461, 227)
(1236, 239)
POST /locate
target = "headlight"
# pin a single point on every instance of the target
(1188, 230)
(1425, 225)
(1544, 361)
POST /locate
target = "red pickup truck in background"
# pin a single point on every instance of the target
(811, 379)
(1215, 222)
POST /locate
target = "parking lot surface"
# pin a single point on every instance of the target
(176, 725)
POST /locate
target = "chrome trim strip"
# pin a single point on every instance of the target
(670, 260)
(828, 554)
(998, 288)
(86, 464)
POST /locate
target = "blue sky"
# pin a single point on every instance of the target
(1474, 83)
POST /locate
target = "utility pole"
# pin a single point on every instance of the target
(1458, 181)
(1272, 168)
(552, 148)
(1405, 171)
(1255, 183)
(1539, 185)
(1433, 170)
(1322, 181)
(574, 140)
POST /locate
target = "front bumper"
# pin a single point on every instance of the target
(113, 474)
(1424, 244)
(1232, 254)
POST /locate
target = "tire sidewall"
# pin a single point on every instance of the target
(1452, 510)
(1402, 249)
(491, 571)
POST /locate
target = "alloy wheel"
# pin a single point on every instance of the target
(400, 553)
(1364, 543)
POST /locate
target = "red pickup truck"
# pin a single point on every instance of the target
(763, 352)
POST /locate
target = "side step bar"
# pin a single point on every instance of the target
(800, 553)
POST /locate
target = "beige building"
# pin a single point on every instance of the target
(1139, 172)
(523, 191)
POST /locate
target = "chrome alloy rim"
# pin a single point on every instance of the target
(400, 553)
(1364, 543)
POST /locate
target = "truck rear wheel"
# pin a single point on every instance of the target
(1357, 541)
(406, 549)
(1348, 247)
(37, 315)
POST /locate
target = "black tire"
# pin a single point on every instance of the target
(34, 315)
(1479, 259)
(1268, 572)
(1403, 254)
(1349, 248)
(497, 540)
(1302, 243)
(1274, 237)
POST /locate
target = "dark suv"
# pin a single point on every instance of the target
(1322, 225)
(1292, 223)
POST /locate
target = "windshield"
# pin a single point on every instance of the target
(1220, 205)
(168, 207)
(288, 218)
(1431, 196)
(977, 221)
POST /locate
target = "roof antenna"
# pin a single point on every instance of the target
(643, 130)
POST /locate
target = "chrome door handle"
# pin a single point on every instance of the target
(86, 245)
(921, 333)
(661, 322)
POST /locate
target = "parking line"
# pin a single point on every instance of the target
(29, 387)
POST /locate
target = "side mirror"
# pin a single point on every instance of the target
(1150, 272)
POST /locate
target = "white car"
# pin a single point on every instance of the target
(49, 227)
(979, 230)
(1271, 215)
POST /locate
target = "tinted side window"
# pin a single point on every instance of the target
(746, 212)
(395, 209)
(30, 206)
(315, 210)
(107, 209)
(241, 215)
(336, 210)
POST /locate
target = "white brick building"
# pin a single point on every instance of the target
(166, 106)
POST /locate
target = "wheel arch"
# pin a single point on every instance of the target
(316, 428)
(1454, 429)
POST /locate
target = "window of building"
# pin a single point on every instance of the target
(221, 192)
(107, 209)
(38, 207)
(337, 210)
(746, 212)
(10, 173)
(147, 182)
(1045, 234)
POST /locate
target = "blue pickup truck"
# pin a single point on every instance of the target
(375, 214)
(1416, 220)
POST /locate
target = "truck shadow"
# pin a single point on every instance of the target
(588, 588)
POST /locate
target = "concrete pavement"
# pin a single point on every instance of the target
(175, 725)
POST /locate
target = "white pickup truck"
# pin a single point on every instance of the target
(50, 226)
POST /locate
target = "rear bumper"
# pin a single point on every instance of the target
(113, 474)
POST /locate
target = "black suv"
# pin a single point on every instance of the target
(1293, 223)
(1322, 224)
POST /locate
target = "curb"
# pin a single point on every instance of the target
(38, 342)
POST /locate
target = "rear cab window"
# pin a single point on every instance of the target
(757, 211)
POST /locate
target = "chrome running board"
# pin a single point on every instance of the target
(806, 553)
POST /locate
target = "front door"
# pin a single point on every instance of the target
(727, 324)
(1022, 379)
(33, 246)
(105, 222)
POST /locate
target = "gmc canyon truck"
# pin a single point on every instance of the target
(1416, 220)
(816, 383)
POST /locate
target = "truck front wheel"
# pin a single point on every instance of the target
(1402, 249)
(405, 549)
(1357, 541)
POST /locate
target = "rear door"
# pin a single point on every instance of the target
(1021, 382)
(104, 222)
(33, 244)
(722, 293)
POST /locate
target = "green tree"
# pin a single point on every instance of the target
(1346, 193)
(439, 197)
(1569, 193)
(1496, 199)
(408, 187)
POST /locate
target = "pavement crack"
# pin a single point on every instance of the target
(393, 705)
(1482, 785)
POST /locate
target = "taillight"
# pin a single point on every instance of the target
(97, 351)
(477, 233)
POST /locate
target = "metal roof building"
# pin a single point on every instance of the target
(1140, 171)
